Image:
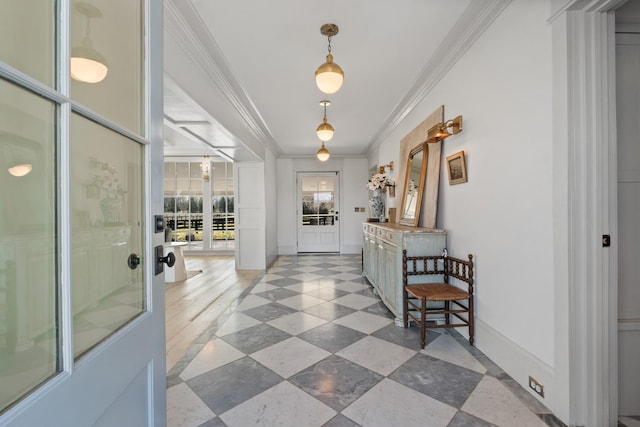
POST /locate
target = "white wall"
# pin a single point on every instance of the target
(271, 207)
(354, 193)
(250, 217)
(353, 178)
(504, 214)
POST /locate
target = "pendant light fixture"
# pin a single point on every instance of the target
(20, 170)
(323, 154)
(324, 129)
(87, 64)
(205, 167)
(329, 76)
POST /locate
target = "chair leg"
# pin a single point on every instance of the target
(447, 318)
(471, 324)
(405, 304)
(423, 321)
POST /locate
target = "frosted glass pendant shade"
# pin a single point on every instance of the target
(20, 170)
(323, 154)
(87, 65)
(325, 131)
(329, 76)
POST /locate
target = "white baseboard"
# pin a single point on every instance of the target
(287, 250)
(351, 249)
(347, 250)
(517, 362)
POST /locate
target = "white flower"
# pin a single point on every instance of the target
(378, 181)
(411, 188)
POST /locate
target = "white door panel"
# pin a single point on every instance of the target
(628, 111)
(82, 336)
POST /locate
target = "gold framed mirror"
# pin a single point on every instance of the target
(414, 185)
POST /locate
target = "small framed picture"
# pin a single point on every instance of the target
(457, 168)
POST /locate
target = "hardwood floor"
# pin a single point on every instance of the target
(193, 304)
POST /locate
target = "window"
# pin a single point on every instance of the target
(189, 200)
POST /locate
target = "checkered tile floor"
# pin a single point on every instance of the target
(310, 344)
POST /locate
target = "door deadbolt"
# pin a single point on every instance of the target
(133, 261)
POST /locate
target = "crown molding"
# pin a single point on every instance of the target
(473, 22)
(184, 24)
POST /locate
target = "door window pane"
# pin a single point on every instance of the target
(28, 276)
(107, 229)
(223, 219)
(317, 201)
(110, 32)
(29, 48)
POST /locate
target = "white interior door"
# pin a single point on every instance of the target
(318, 212)
(628, 112)
(81, 309)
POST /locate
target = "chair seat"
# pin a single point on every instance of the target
(437, 292)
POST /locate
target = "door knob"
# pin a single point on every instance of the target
(133, 261)
(170, 259)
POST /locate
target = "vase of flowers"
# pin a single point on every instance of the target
(378, 183)
(106, 186)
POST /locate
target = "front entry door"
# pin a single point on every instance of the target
(81, 310)
(318, 212)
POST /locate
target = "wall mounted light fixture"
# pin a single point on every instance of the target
(440, 131)
(324, 129)
(87, 64)
(329, 76)
(323, 154)
(382, 168)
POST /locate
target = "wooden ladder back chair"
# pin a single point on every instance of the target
(457, 301)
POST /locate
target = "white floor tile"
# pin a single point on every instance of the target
(493, 402)
(352, 286)
(308, 269)
(185, 409)
(301, 302)
(307, 277)
(214, 354)
(355, 301)
(304, 286)
(346, 276)
(392, 404)
(445, 347)
(297, 323)
(378, 355)
(363, 322)
(271, 276)
(283, 405)
(290, 356)
(252, 301)
(236, 322)
(262, 287)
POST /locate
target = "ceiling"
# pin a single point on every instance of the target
(392, 53)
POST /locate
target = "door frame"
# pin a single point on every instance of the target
(337, 199)
(586, 362)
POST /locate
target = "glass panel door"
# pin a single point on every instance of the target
(318, 212)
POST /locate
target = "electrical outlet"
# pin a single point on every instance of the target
(536, 386)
